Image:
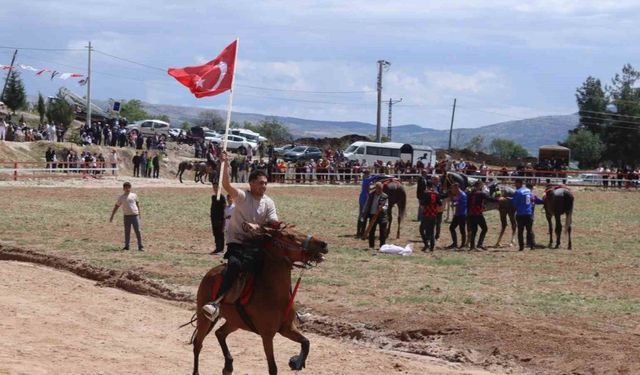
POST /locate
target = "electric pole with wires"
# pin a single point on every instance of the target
(391, 103)
(382, 65)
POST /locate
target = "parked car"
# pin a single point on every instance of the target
(234, 142)
(174, 132)
(303, 153)
(279, 151)
(150, 127)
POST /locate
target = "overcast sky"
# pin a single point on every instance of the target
(502, 60)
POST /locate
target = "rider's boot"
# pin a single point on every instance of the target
(211, 310)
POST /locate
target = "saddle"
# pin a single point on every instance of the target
(241, 291)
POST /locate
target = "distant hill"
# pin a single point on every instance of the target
(530, 133)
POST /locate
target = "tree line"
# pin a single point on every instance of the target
(609, 128)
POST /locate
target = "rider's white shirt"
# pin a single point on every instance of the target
(251, 210)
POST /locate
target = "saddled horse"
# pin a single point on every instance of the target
(397, 196)
(202, 171)
(269, 309)
(504, 206)
(558, 201)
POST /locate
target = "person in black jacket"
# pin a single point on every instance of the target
(422, 185)
(376, 209)
(136, 165)
(217, 219)
(156, 166)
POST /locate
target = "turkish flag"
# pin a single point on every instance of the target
(212, 78)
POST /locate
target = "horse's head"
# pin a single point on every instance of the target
(301, 249)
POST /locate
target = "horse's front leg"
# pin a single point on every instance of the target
(267, 343)
(503, 227)
(222, 334)
(390, 216)
(514, 225)
(297, 362)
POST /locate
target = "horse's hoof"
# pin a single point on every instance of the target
(296, 363)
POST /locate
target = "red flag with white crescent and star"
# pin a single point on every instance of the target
(212, 78)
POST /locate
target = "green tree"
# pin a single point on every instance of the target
(586, 148)
(592, 106)
(185, 126)
(475, 144)
(59, 111)
(15, 97)
(272, 129)
(211, 120)
(622, 134)
(41, 107)
(164, 118)
(507, 149)
(133, 110)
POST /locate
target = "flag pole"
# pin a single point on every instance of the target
(226, 129)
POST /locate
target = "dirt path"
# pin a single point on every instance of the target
(54, 322)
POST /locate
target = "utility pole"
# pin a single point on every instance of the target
(89, 88)
(453, 115)
(391, 103)
(382, 64)
(13, 60)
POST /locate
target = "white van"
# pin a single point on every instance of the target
(390, 151)
(250, 135)
(150, 127)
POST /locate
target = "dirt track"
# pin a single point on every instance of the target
(54, 322)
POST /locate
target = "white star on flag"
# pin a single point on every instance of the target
(200, 82)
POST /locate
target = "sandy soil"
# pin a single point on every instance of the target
(54, 322)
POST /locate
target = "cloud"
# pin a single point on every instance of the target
(468, 83)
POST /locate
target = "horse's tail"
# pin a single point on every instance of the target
(402, 204)
(569, 207)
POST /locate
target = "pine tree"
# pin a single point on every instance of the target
(15, 96)
(42, 109)
(622, 134)
(592, 105)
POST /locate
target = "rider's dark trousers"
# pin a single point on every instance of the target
(239, 259)
(458, 221)
(476, 221)
(382, 223)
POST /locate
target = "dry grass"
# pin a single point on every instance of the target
(600, 277)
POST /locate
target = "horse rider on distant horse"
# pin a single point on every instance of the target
(253, 209)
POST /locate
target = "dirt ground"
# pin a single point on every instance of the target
(55, 322)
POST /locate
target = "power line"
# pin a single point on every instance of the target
(43, 49)
(130, 61)
(609, 113)
(303, 100)
(308, 92)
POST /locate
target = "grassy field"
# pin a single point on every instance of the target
(593, 288)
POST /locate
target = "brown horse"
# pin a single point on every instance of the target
(266, 311)
(397, 196)
(558, 201)
(183, 166)
(203, 171)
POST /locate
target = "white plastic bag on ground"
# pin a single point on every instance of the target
(393, 249)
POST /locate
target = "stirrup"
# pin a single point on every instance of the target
(211, 310)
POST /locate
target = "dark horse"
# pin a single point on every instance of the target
(266, 312)
(504, 206)
(397, 196)
(202, 170)
(558, 201)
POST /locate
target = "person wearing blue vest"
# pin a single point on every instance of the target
(522, 200)
(367, 180)
(459, 201)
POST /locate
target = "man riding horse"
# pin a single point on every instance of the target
(253, 209)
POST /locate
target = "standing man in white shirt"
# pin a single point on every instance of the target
(132, 215)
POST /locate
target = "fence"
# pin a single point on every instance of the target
(14, 170)
(570, 178)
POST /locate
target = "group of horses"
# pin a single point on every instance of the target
(202, 171)
(558, 200)
(270, 309)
